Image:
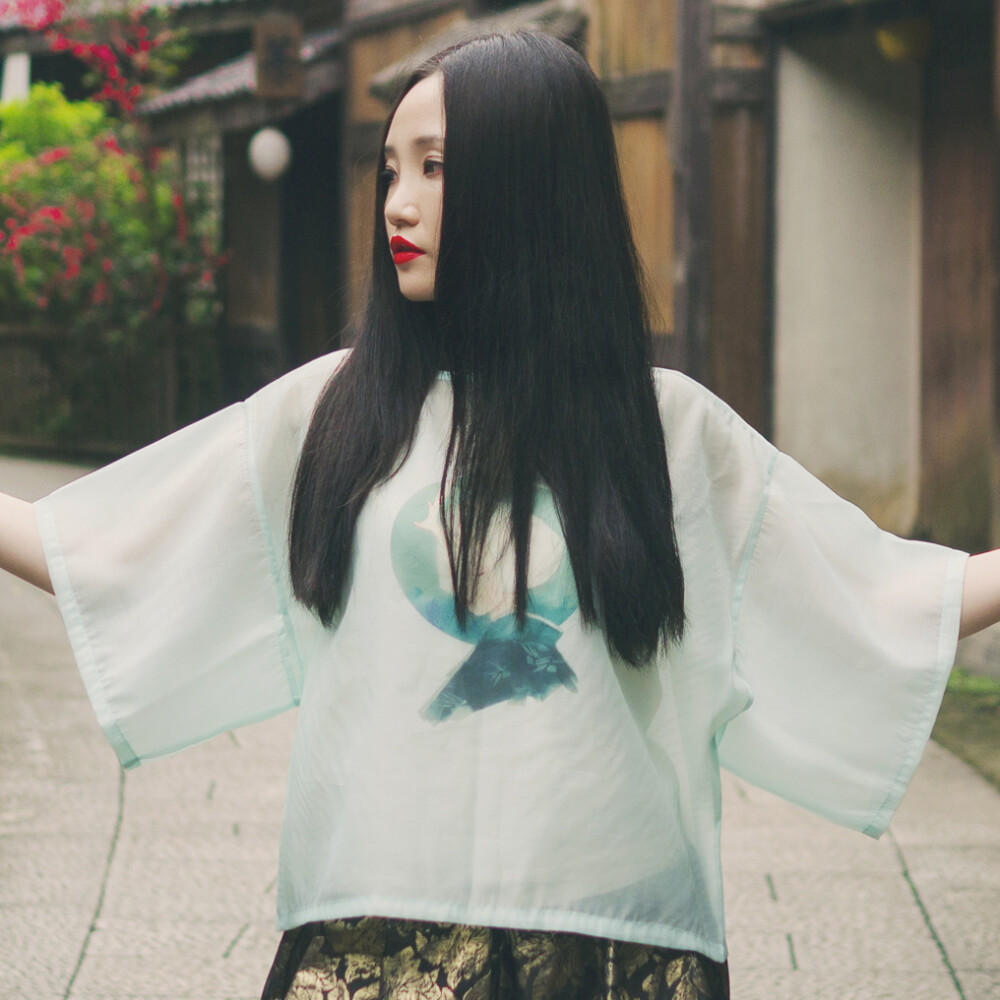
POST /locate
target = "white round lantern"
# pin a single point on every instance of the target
(269, 153)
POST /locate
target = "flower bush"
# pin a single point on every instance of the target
(99, 235)
(95, 236)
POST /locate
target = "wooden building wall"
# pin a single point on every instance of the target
(250, 346)
(283, 301)
(647, 177)
(626, 37)
(632, 46)
(740, 368)
(312, 306)
(740, 322)
(959, 378)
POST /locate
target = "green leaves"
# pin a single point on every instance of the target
(46, 120)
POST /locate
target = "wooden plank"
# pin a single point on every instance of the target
(692, 158)
(996, 59)
(740, 86)
(731, 23)
(251, 214)
(360, 208)
(737, 55)
(313, 277)
(664, 350)
(645, 95)
(631, 36)
(638, 96)
(648, 182)
(994, 525)
(371, 53)
(741, 71)
(959, 370)
(739, 358)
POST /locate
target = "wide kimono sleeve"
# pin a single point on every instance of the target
(169, 567)
(842, 635)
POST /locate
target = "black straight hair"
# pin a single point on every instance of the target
(540, 316)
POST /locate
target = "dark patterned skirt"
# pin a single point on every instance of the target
(376, 958)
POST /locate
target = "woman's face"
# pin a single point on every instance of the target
(414, 186)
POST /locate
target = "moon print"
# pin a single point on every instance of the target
(508, 662)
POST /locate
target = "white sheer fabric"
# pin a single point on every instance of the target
(496, 776)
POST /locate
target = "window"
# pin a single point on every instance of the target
(202, 164)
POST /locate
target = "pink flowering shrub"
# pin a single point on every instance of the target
(92, 234)
(98, 235)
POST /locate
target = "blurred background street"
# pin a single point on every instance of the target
(185, 214)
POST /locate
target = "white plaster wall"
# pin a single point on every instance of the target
(15, 71)
(847, 322)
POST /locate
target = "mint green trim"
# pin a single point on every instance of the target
(291, 658)
(951, 618)
(69, 607)
(569, 921)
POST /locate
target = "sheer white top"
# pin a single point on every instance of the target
(494, 777)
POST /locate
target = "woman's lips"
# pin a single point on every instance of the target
(403, 250)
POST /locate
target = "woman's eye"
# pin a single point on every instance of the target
(387, 176)
(433, 166)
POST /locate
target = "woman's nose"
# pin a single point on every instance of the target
(400, 206)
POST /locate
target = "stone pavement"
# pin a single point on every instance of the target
(160, 884)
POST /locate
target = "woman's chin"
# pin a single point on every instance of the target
(416, 295)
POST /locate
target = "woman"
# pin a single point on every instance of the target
(521, 645)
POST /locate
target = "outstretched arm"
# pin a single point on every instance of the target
(981, 595)
(21, 554)
(20, 544)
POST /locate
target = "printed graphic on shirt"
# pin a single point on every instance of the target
(507, 662)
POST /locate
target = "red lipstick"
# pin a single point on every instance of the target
(403, 250)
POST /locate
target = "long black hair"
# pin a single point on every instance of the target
(541, 318)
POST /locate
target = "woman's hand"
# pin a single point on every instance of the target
(20, 544)
(981, 594)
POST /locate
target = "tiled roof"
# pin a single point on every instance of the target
(562, 18)
(189, 3)
(233, 78)
(357, 10)
(794, 7)
(10, 22)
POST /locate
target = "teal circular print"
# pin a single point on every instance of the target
(509, 661)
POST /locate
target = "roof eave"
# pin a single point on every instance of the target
(565, 19)
(788, 10)
(244, 109)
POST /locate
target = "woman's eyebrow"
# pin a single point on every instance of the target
(420, 142)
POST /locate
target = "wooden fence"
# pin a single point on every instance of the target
(81, 397)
